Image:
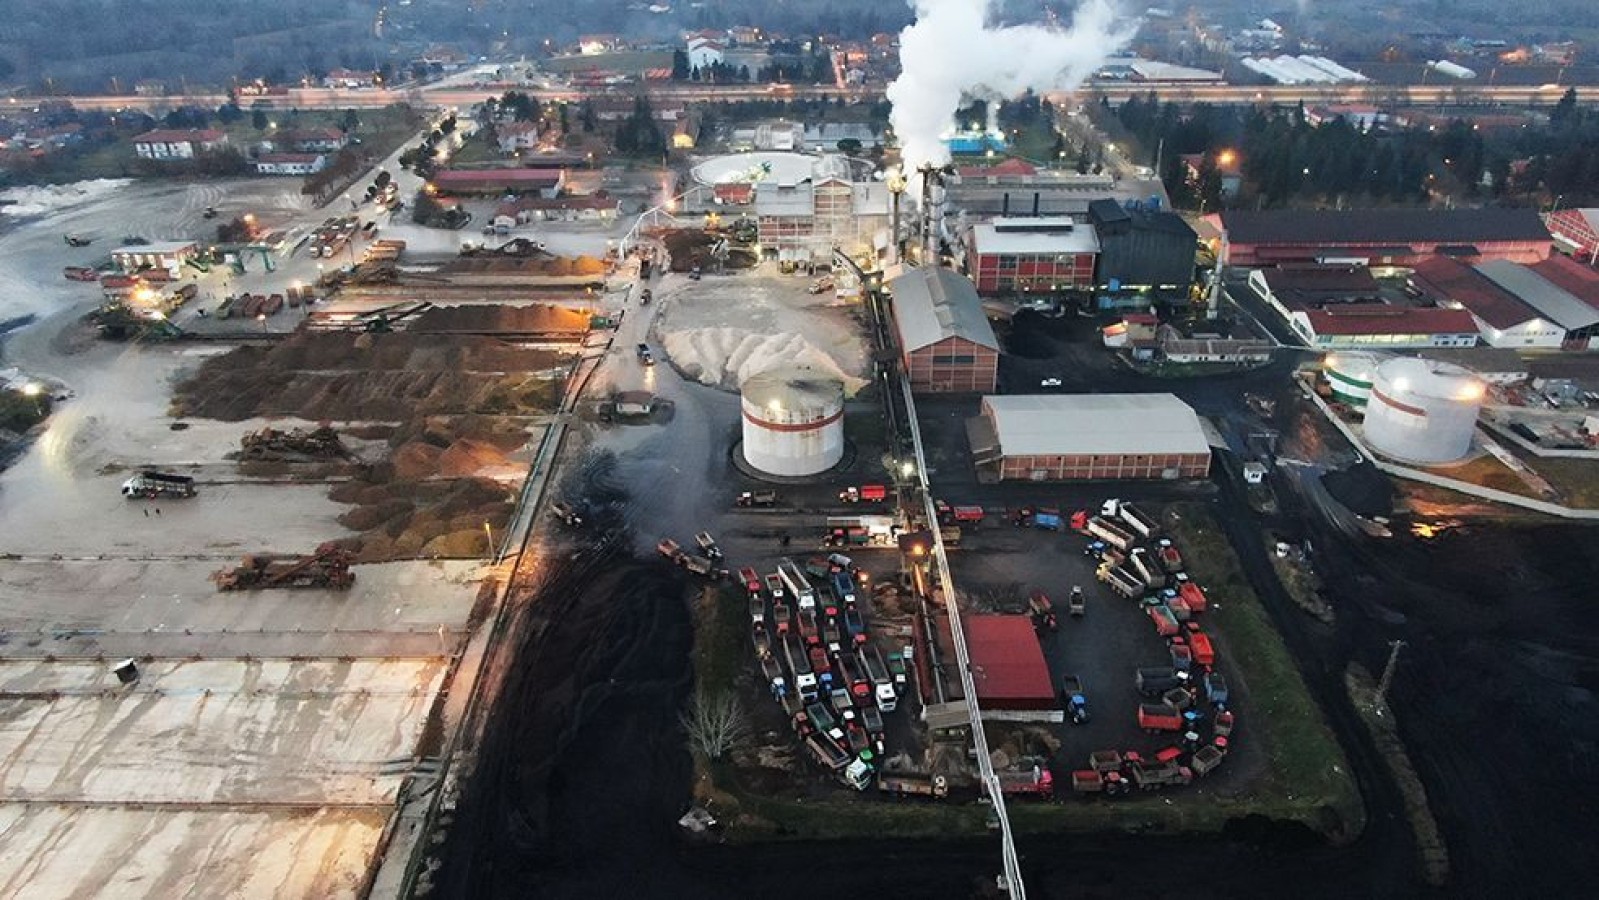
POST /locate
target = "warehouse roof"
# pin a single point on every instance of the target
(1382, 226)
(1310, 287)
(495, 179)
(1370, 319)
(1035, 237)
(1572, 276)
(1109, 424)
(1008, 665)
(1448, 279)
(772, 199)
(932, 304)
(1551, 301)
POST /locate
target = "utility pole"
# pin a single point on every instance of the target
(1388, 671)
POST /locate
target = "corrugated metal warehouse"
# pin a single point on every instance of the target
(1142, 248)
(945, 341)
(1074, 437)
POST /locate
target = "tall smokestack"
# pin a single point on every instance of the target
(1035, 204)
(1004, 208)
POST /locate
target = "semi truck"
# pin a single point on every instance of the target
(1143, 565)
(1120, 580)
(799, 587)
(1137, 520)
(149, 485)
(1111, 533)
(800, 664)
(882, 682)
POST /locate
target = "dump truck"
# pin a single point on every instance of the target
(1206, 759)
(774, 587)
(1034, 782)
(781, 618)
(1091, 781)
(826, 752)
(853, 674)
(958, 515)
(1144, 525)
(799, 587)
(1204, 653)
(1105, 761)
(708, 545)
(149, 485)
(700, 565)
(1194, 596)
(326, 567)
(1155, 717)
(842, 705)
(866, 493)
(1215, 688)
(872, 721)
(1042, 612)
(819, 568)
(751, 580)
(752, 499)
(761, 639)
(81, 273)
(1045, 518)
(1182, 655)
(1111, 533)
(800, 664)
(669, 549)
(855, 626)
(882, 683)
(832, 635)
(1074, 699)
(1156, 680)
(843, 587)
(1143, 565)
(897, 671)
(1165, 621)
(1077, 604)
(757, 608)
(822, 668)
(823, 720)
(907, 784)
(1170, 559)
(1149, 776)
(1225, 721)
(807, 626)
(772, 670)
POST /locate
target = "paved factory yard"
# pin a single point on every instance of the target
(998, 563)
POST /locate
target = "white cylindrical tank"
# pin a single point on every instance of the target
(793, 421)
(1422, 411)
(1350, 373)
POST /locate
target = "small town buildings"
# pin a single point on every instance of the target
(1032, 256)
(583, 207)
(176, 144)
(1070, 437)
(514, 137)
(945, 341)
(349, 79)
(290, 163)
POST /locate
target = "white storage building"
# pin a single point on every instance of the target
(1070, 437)
(793, 421)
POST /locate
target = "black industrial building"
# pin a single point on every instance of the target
(1142, 248)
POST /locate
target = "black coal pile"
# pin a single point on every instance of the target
(1364, 490)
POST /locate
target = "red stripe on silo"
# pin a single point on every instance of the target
(1402, 407)
(805, 426)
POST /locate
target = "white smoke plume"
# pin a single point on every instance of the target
(952, 51)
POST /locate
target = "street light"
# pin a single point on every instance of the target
(488, 533)
(261, 317)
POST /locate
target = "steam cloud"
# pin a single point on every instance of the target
(951, 51)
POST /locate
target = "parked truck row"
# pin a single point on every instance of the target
(815, 651)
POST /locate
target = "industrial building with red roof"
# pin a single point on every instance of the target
(1381, 237)
(1009, 670)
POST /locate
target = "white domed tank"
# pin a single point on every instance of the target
(1350, 373)
(793, 421)
(1423, 411)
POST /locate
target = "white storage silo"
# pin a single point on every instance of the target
(793, 421)
(1350, 374)
(1423, 411)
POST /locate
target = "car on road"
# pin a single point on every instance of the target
(645, 356)
(1049, 382)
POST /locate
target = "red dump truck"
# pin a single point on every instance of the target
(1194, 596)
(1149, 776)
(1091, 781)
(1165, 620)
(1034, 782)
(1155, 717)
(1204, 653)
(866, 493)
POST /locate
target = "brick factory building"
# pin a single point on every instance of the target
(945, 341)
(1080, 437)
(1032, 256)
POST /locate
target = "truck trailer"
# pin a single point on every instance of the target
(797, 584)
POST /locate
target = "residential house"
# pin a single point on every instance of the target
(703, 54)
(171, 143)
(317, 140)
(518, 136)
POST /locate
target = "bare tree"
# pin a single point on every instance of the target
(715, 722)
